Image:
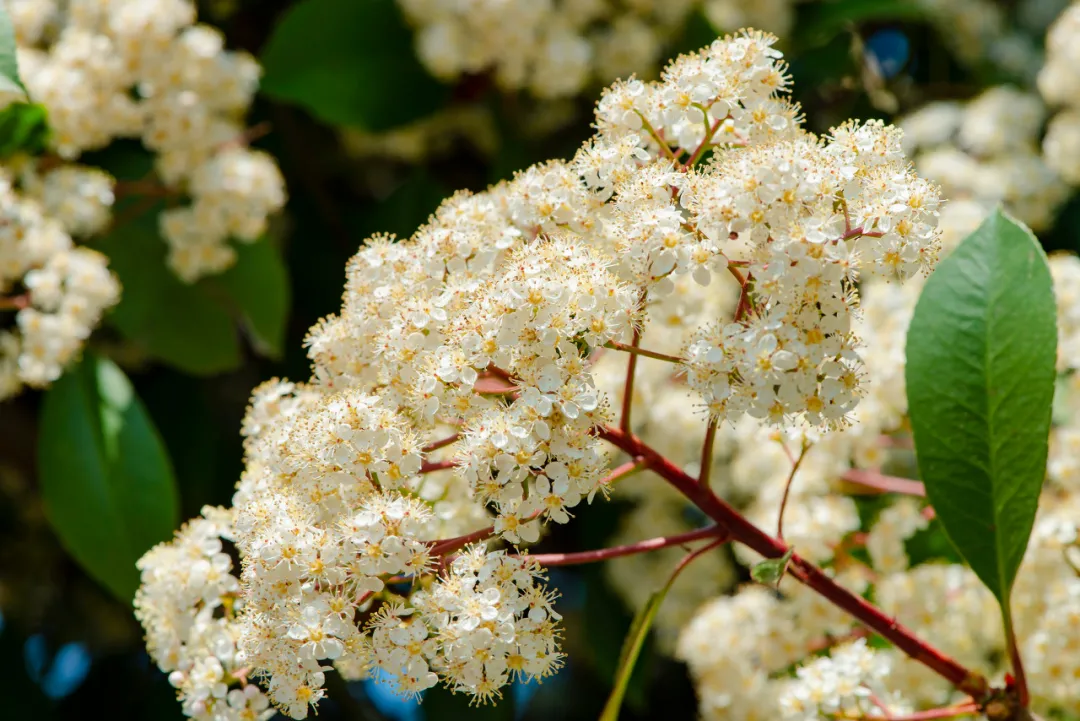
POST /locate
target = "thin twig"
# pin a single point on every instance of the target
(449, 545)
(881, 483)
(707, 452)
(655, 136)
(430, 466)
(615, 345)
(442, 443)
(696, 155)
(624, 471)
(603, 554)
(787, 489)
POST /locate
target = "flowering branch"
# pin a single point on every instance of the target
(745, 532)
(652, 544)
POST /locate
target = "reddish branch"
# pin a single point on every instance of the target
(429, 466)
(745, 532)
(442, 443)
(602, 554)
(449, 545)
(884, 484)
(859, 232)
(627, 469)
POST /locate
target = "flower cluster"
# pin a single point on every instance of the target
(1058, 82)
(58, 290)
(188, 603)
(462, 393)
(143, 69)
(938, 600)
(841, 683)
(552, 48)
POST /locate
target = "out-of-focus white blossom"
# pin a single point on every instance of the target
(144, 69)
(57, 290)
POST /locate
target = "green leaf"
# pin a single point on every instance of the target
(349, 63)
(175, 322)
(106, 479)
(770, 571)
(11, 87)
(981, 350)
(24, 128)
(257, 288)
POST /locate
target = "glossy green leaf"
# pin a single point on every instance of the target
(981, 351)
(257, 289)
(105, 476)
(173, 321)
(349, 63)
(11, 87)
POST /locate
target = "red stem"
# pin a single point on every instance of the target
(442, 443)
(884, 484)
(795, 463)
(602, 554)
(859, 232)
(449, 545)
(429, 466)
(745, 532)
(625, 469)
